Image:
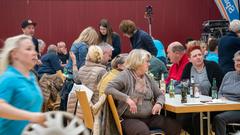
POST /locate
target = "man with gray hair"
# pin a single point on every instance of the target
(228, 45)
(50, 61)
(41, 46)
(107, 52)
(229, 90)
(178, 57)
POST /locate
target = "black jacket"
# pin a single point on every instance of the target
(213, 71)
(227, 47)
(142, 40)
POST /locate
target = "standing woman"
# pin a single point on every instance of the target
(106, 34)
(20, 96)
(80, 46)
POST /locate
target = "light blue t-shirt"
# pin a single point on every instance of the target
(20, 92)
(160, 48)
(212, 56)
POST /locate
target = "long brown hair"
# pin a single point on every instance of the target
(104, 23)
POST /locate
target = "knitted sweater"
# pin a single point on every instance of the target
(230, 86)
(124, 84)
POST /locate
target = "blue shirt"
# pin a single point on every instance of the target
(20, 92)
(160, 48)
(80, 50)
(212, 56)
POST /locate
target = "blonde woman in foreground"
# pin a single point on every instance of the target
(20, 96)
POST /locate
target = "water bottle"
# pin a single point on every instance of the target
(192, 87)
(162, 84)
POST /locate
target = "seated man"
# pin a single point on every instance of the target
(62, 53)
(177, 56)
(229, 90)
(50, 62)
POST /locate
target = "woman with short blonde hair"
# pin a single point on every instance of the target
(136, 58)
(89, 75)
(95, 54)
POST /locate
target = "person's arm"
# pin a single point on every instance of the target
(9, 112)
(55, 62)
(116, 88)
(74, 62)
(75, 68)
(158, 96)
(116, 44)
(82, 51)
(225, 78)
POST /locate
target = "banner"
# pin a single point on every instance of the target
(228, 9)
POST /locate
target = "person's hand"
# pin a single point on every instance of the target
(132, 105)
(38, 118)
(156, 109)
(39, 62)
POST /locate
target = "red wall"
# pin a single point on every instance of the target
(65, 19)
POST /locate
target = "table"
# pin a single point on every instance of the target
(175, 105)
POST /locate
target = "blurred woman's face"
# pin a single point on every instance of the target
(237, 64)
(196, 57)
(25, 54)
(144, 67)
(103, 30)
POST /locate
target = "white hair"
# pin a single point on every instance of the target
(10, 44)
(234, 26)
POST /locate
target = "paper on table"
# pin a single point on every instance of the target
(193, 103)
(216, 101)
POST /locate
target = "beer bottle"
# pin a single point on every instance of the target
(171, 89)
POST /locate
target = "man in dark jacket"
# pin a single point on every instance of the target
(139, 38)
(228, 45)
(50, 62)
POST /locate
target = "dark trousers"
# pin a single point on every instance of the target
(143, 126)
(221, 120)
(67, 87)
(191, 122)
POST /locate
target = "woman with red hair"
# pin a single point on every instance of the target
(203, 73)
(201, 70)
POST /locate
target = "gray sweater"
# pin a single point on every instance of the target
(230, 87)
(123, 85)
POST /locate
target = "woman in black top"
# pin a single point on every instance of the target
(106, 34)
(203, 71)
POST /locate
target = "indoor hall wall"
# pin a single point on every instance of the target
(65, 19)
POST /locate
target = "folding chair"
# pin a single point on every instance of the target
(87, 113)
